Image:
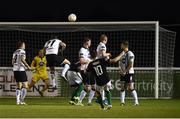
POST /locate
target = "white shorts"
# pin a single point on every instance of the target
(106, 87)
(74, 78)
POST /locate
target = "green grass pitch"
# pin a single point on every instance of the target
(58, 107)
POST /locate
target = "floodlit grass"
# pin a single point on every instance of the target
(58, 107)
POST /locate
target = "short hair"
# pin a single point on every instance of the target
(125, 43)
(86, 40)
(19, 44)
(102, 37)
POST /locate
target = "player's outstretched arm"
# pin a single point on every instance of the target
(116, 59)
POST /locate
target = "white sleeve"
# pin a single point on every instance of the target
(131, 56)
(46, 44)
(23, 53)
(81, 53)
(102, 47)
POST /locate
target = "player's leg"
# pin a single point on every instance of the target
(86, 89)
(66, 67)
(45, 88)
(122, 91)
(131, 88)
(18, 87)
(35, 78)
(99, 92)
(24, 92)
(108, 94)
(87, 86)
(52, 75)
(75, 94)
(24, 88)
(91, 95)
(18, 93)
(93, 89)
(51, 62)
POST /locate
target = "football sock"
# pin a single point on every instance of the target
(23, 94)
(66, 67)
(122, 96)
(108, 96)
(134, 94)
(18, 94)
(76, 92)
(82, 95)
(53, 79)
(91, 95)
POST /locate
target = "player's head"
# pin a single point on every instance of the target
(103, 38)
(41, 53)
(21, 45)
(87, 42)
(124, 45)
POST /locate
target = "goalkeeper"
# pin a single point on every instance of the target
(75, 81)
(39, 65)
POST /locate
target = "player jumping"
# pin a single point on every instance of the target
(53, 59)
(19, 67)
(39, 65)
(89, 83)
(101, 48)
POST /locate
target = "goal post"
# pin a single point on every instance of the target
(148, 41)
(157, 60)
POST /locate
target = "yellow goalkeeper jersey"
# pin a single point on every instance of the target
(39, 64)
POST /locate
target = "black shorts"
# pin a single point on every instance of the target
(20, 76)
(54, 60)
(128, 78)
(88, 79)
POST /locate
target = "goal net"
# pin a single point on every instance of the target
(152, 45)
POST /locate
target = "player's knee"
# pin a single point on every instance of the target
(87, 88)
(132, 89)
(66, 61)
(122, 90)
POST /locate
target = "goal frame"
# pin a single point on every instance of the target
(155, 23)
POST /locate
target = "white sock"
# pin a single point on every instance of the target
(54, 82)
(122, 93)
(23, 94)
(82, 95)
(53, 79)
(18, 94)
(91, 95)
(134, 94)
(102, 95)
(66, 67)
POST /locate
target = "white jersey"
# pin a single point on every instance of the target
(52, 46)
(124, 62)
(84, 53)
(17, 55)
(99, 49)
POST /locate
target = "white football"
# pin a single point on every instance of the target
(72, 17)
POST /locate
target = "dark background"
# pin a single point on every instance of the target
(167, 12)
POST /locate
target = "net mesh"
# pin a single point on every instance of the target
(140, 36)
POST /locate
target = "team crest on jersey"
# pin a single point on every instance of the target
(41, 63)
